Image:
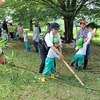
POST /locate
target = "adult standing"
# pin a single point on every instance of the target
(20, 31)
(54, 34)
(11, 30)
(36, 33)
(83, 33)
(4, 26)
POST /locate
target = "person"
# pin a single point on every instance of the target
(36, 37)
(4, 37)
(27, 47)
(49, 37)
(79, 56)
(4, 26)
(82, 33)
(83, 30)
(43, 49)
(20, 31)
(49, 62)
(11, 30)
(88, 50)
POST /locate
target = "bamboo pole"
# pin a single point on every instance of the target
(73, 72)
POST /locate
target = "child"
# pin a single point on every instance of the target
(79, 56)
(49, 62)
(43, 49)
(27, 47)
(90, 29)
(4, 37)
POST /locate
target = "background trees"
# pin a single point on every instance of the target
(45, 10)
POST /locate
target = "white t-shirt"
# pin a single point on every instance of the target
(49, 38)
(4, 36)
(83, 49)
(36, 34)
(25, 38)
(52, 54)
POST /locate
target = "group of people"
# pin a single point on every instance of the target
(50, 47)
(7, 30)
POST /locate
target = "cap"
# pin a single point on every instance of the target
(4, 31)
(55, 26)
(55, 40)
(83, 22)
(80, 42)
(42, 34)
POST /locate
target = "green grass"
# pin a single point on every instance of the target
(20, 79)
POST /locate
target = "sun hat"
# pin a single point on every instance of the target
(55, 40)
(79, 43)
(55, 26)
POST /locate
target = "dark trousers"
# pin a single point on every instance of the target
(11, 34)
(43, 55)
(36, 46)
(86, 56)
(21, 39)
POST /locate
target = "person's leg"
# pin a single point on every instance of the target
(74, 60)
(36, 46)
(80, 60)
(43, 57)
(53, 71)
(12, 35)
(86, 57)
(48, 66)
(47, 69)
(27, 46)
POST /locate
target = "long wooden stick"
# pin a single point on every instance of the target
(73, 72)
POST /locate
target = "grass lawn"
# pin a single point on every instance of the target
(20, 79)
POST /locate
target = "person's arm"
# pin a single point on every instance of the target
(60, 49)
(36, 32)
(58, 52)
(87, 42)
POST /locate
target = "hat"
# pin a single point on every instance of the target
(83, 22)
(55, 26)
(4, 31)
(55, 40)
(80, 43)
(42, 34)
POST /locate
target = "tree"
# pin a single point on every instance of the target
(47, 9)
(69, 9)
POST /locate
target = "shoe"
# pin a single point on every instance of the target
(43, 79)
(71, 65)
(53, 76)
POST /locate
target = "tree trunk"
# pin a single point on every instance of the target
(68, 23)
(31, 25)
